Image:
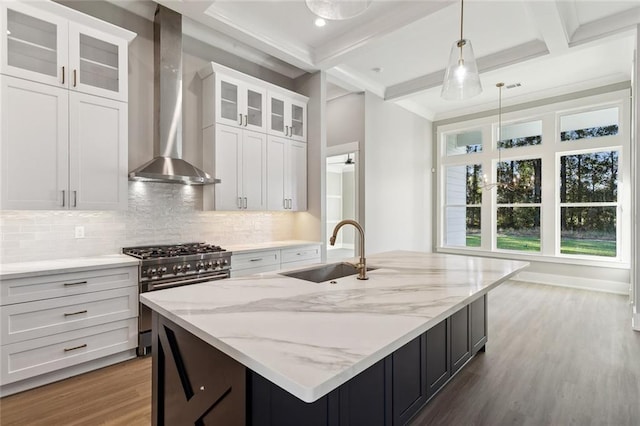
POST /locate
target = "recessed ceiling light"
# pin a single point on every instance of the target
(377, 69)
(320, 22)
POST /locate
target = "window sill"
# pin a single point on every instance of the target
(587, 261)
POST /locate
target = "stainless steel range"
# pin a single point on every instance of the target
(166, 266)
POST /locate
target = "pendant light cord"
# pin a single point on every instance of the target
(461, 18)
(499, 86)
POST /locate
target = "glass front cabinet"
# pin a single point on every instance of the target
(240, 104)
(287, 116)
(45, 47)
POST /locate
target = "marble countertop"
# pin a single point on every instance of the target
(242, 248)
(310, 338)
(59, 266)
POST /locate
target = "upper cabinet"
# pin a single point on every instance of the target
(254, 141)
(234, 100)
(51, 44)
(63, 109)
(287, 115)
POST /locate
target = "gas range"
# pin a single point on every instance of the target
(164, 266)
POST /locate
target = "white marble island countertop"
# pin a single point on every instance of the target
(310, 338)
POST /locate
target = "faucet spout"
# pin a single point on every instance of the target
(362, 264)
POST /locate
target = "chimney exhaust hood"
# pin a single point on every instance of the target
(168, 165)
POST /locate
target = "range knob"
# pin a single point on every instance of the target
(186, 267)
(151, 272)
(209, 265)
(176, 269)
(199, 265)
(161, 271)
(225, 262)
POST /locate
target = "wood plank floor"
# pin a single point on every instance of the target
(555, 356)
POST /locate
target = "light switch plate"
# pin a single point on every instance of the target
(79, 231)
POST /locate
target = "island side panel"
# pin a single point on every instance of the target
(194, 383)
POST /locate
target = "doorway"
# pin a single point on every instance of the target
(341, 204)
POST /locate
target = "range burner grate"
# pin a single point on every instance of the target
(171, 250)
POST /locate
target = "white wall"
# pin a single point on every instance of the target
(397, 163)
(345, 119)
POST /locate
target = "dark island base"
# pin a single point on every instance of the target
(194, 383)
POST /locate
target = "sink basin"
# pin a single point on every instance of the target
(324, 273)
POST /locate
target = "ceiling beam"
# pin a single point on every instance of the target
(348, 79)
(551, 24)
(513, 55)
(620, 22)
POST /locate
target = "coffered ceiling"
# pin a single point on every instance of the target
(398, 49)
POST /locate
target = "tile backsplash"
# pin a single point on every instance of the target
(158, 213)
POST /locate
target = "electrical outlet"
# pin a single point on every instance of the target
(79, 231)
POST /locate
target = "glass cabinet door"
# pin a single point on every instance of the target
(255, 102)
(34, 44)
(297, 121)
(277, 115)
(98, 63)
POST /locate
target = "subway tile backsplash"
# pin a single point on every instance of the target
(158, 213)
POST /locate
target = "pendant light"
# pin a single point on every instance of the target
(513, 185)
(461, 78)
(337, 9)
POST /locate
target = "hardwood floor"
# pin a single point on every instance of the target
(555, 356)
(115, 395)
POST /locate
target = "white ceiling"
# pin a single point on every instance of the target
(549, 46)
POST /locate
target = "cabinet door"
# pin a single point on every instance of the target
(34, 44)
(34, 141)
(298, 120)
(276, 156)
(98, 63)
(228, 151)
(438, 359)
(460, 339)
(276, 120)
(254, 107)
(297, 176)
(97, 153)
(228, 101)
(478, 324)
(254, 163)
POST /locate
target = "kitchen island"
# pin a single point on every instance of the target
(270, 349)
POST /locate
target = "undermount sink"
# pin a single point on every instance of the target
(324, 273)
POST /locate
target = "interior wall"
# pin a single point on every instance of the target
(635, 163)
(345, 119)
(31, 235)
(398, 166)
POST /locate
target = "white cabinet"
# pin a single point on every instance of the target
(239, 159)
(286, 174)
(236, 109)
(58, 324)
(272, 259)
(61, 150)
(63, 110)
(287, 115)
(233, 99)
(52, 44)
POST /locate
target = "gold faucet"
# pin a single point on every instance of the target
(361, 266)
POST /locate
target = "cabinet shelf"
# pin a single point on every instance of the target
(30, 44)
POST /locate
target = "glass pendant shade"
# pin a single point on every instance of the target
(338, 9)
(461, 78)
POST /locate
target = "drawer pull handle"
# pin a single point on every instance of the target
(68, 314)
(75, 347)
(76, 283)
(255, 260)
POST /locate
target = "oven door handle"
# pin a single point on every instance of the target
(153, 286)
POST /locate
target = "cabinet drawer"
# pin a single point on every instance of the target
(255, 259)
(43, 318)
(30, 358)
(56, 285)
(301, 253)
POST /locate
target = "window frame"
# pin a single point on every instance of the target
(550, 151)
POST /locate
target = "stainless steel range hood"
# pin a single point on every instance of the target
(168, 165)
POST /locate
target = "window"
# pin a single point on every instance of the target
(549, 187)
(518, 205)
(464, 143)
(463, 203)
(589, 124)
(589, 203)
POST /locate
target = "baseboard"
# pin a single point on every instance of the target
(65, 373)
(615, 287)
